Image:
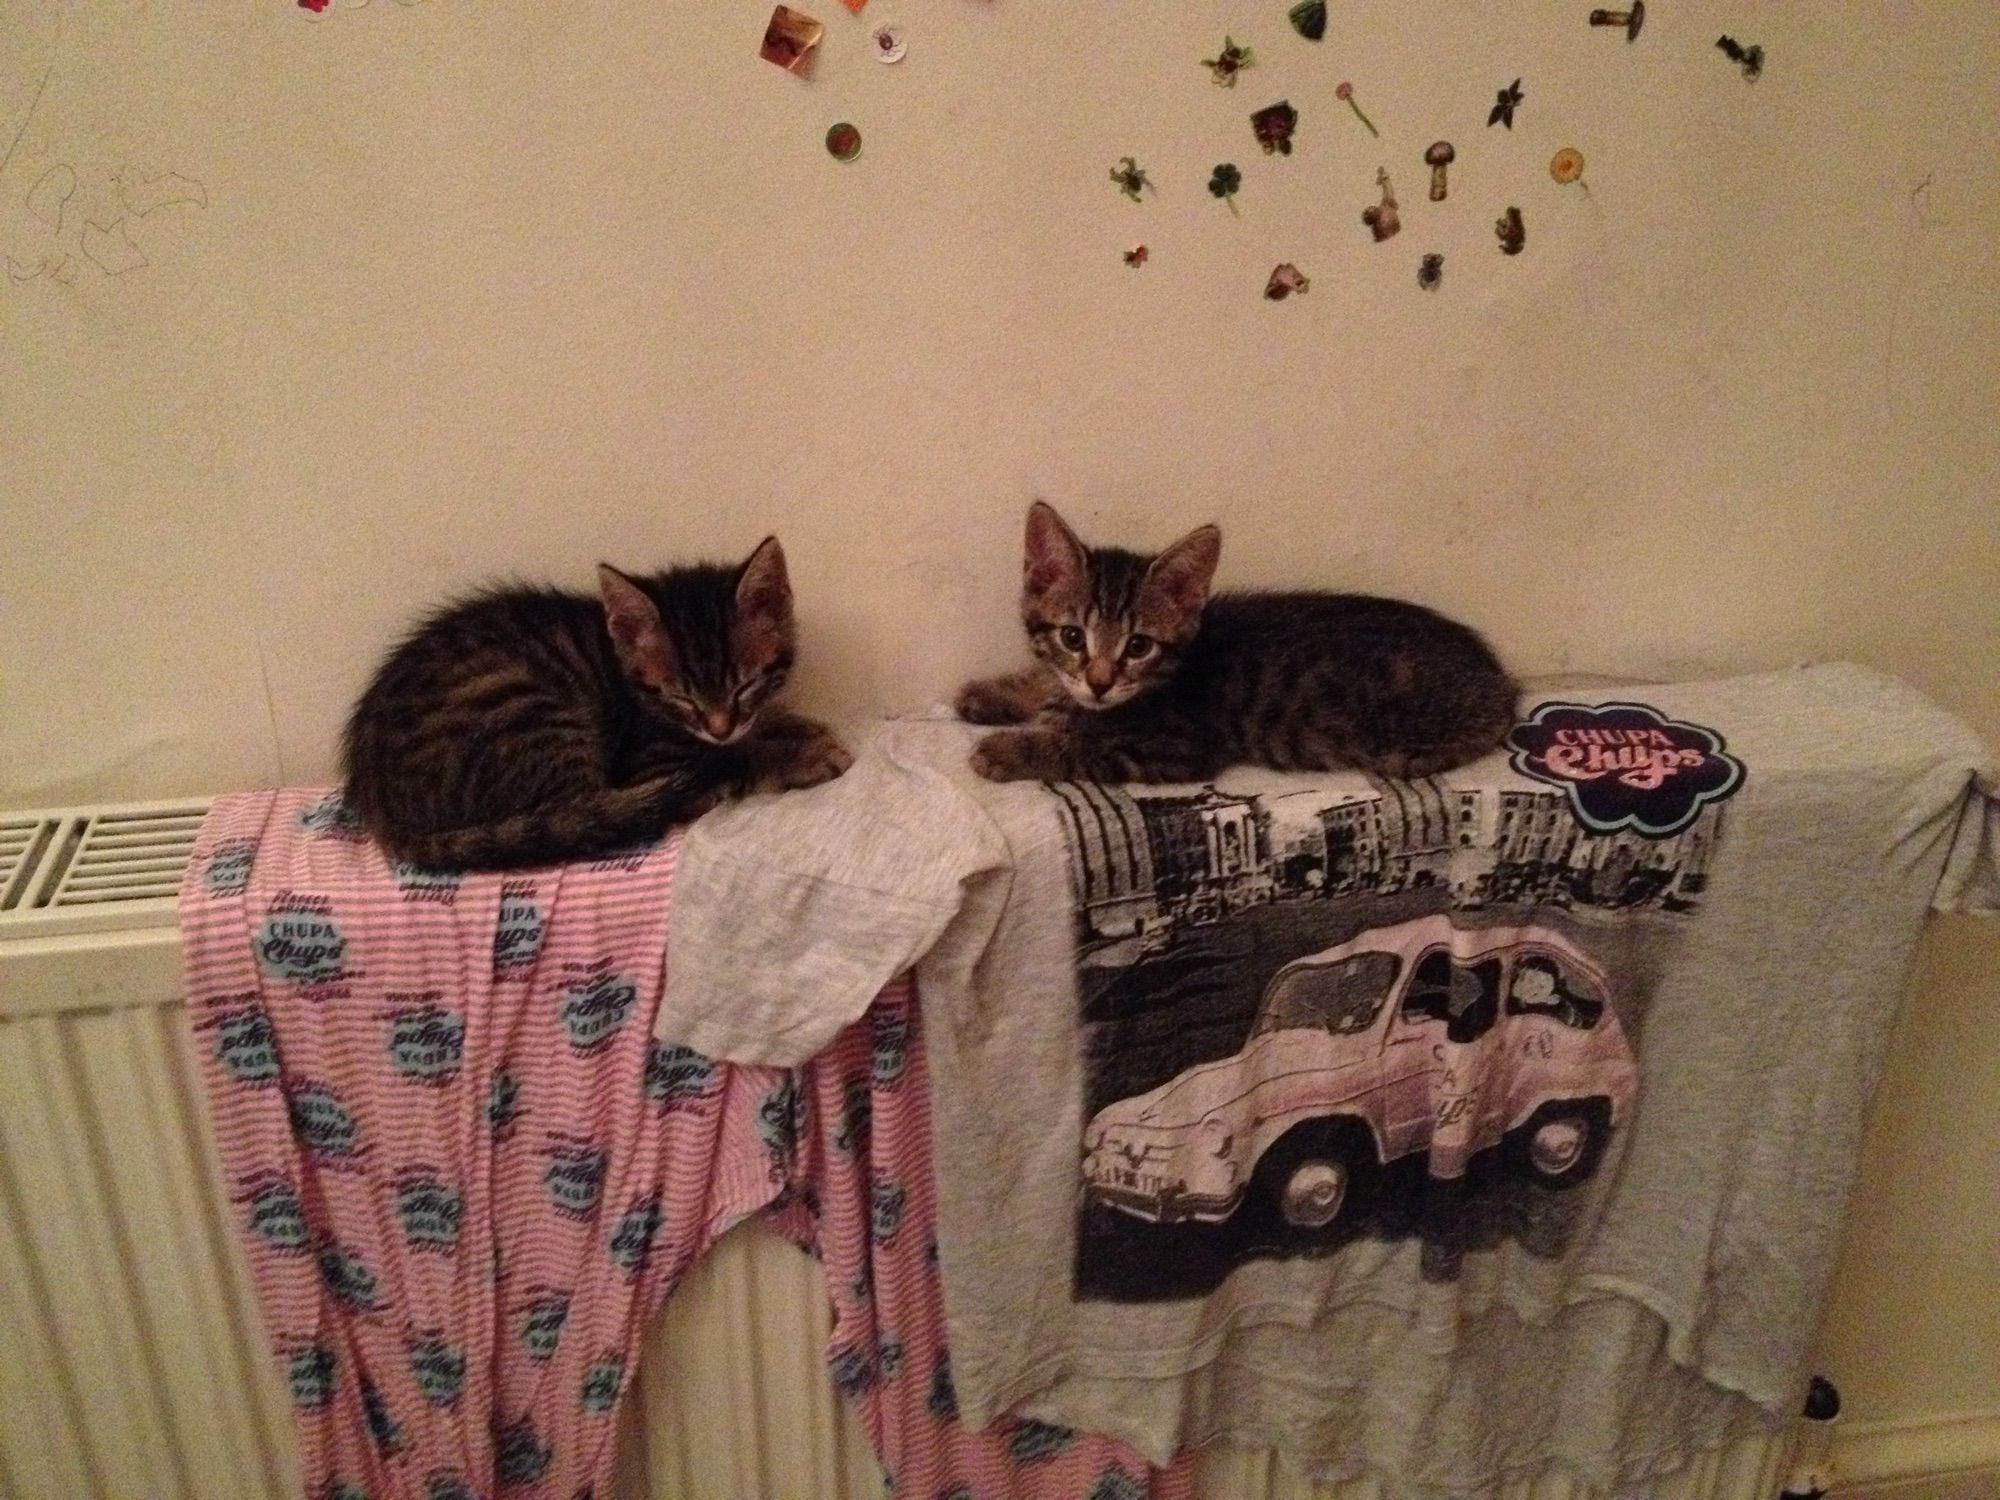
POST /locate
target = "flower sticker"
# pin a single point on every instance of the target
(1131, 178)
(1226, 64)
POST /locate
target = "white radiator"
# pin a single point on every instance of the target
(132, 1365)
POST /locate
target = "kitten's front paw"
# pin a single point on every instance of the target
(991, 701)
(1022, 755)
(809, 759)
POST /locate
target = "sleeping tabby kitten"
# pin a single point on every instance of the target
(527, 725)
(1144, 677)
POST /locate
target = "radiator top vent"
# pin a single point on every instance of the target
(94, 869)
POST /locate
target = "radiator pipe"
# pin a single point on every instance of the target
(1811, 1473)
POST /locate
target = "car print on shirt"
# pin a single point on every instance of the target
(1422, 1037)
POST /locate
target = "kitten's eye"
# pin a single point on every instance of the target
(1138, 647)
(1071, 638)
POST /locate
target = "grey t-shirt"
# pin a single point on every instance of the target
(1443, 1128)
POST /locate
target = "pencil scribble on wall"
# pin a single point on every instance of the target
(106, 219)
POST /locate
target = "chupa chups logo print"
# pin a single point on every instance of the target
(574, 1178)
(1115, 1484)
(340, 1489)
(228, 869)
(592, 1010)
(542, 1325)
(519, 1455)
(600, 1383)
(310, 1371)
(321, 1122)
(503, 1104)
(245, 1047)
(1031, 1441)
(428, 1209)
(518, 933)
(332, 818)
(420, 883)
(275, 1214)
(1626, 765)
(427, 1042)
(299, 941)
(439, 1370)
(347, 1276)
(674, 1073)
(632, 1240)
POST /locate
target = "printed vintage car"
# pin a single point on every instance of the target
(1420, 1037)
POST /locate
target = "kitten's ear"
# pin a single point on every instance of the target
(762, 634)
(763, 588)
(1054, 557)
(1179, 578)
(636, 632)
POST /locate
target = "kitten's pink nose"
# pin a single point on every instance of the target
(1100, 675)
(718, 722)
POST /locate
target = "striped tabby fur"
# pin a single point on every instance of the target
(527, 725)
(1141, 676)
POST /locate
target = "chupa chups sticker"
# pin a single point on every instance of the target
(1274, 124)
(843, 141)
(790, 38)
(1227, 63)
(1381, 218)
(1430, 272)
(1626, 765)
(1512, 231)
(1504, 104)
(1131, 178)
(1286, 279)
(1308, 19)
(889, 43)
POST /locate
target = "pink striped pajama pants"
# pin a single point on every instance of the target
(466, 1177)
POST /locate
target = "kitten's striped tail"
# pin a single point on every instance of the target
(577, 828)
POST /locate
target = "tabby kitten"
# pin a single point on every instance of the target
(1144, 677)
(528, 725)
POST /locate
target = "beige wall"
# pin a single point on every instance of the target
(485, 286)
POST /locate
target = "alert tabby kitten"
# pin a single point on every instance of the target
(1143, 677)
(526, 725)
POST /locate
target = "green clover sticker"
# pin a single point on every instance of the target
(1224, 183)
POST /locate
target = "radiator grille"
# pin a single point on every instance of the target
(94, 869)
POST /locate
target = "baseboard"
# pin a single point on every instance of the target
(1882, 1458)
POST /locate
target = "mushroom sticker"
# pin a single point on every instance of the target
(1381, 218)
(1439, 157)
(1286, 279)
(1274, 124)
(790, 38)
(1430, 272)
(1631, 19)
(1512, 232)
(1227, 63)
(1131, 178)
